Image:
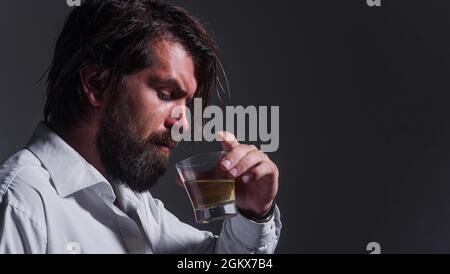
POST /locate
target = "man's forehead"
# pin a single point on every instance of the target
(172, 64)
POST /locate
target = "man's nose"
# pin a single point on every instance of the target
(178, 116)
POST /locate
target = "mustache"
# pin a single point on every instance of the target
(164, 139)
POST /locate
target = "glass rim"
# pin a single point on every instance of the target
(182, 164)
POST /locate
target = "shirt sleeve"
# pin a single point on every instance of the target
(239, 235)
(20, 233)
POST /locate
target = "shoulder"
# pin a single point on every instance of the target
(23, 184)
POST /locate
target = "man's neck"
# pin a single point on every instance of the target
(83, 139)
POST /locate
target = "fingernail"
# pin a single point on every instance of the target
(226, 163)
(246, 178)
(234, 172)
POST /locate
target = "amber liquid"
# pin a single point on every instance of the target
(208, 193)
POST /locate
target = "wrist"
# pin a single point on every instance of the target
(259, 218)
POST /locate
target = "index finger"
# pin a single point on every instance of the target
(227, 139)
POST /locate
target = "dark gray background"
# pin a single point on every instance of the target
(363, 94)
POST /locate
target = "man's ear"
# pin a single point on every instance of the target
(94, 80)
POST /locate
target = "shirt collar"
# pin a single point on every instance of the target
(69, 171)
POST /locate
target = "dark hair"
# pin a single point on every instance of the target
(115, 34)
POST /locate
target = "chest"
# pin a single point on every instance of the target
(85, 223)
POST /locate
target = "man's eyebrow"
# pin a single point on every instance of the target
(168, 82)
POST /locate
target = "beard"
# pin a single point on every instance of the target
(128, 159)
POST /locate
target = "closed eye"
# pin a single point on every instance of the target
(165, 96)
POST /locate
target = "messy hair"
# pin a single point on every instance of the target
(115, 35)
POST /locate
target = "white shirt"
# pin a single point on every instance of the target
(54, 201)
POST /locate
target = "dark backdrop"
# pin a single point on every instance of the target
(363, 96)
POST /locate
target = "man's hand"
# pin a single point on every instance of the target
(255, 174)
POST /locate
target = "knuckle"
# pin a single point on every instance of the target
(253, 158)
(275, 169)
(258, 172)
(260, 155)
(264, 155)
(254, 154)
(248, 148)
(253, 147)
(235, 153)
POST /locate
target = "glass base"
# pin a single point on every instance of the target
(214, 213)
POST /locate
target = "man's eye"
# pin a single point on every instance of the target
(164, 96)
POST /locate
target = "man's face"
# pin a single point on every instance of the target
(134, 138)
